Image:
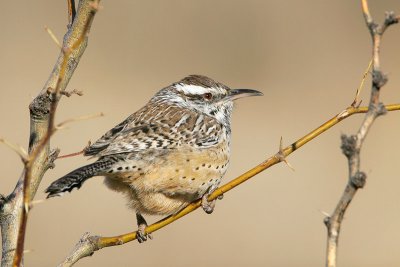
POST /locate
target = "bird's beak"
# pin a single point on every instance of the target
(239, 93)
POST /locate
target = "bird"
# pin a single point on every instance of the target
(169, 153)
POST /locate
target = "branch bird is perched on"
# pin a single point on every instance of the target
(169, 153)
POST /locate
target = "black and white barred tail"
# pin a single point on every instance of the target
(77, 177)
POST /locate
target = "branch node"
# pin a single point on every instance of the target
(390, 18)
(373, 27)
(327, 221)
(281, 155)
(348, 145)
(381, 109)
(50, 91)
(358, 180)
(40, 106)
(378, 79)
(66, 50)
(52, 157)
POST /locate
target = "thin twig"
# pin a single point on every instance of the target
(71, 155)
(70, 93)
(76, 153)
(53, 37)
(61, 125)
(17, 149)
(356, 101)
(351, 145)
(87, 245)
(44, 141)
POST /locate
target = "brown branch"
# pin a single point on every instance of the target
(14, 208)
(42, 143)
(71, 11)
(75, 153)
(351, 145)
(88, 244)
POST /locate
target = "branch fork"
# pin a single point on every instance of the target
(351, 145)
(42, 111)
(15, 207)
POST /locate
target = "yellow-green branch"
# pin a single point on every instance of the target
(118, 240)
(89, 244)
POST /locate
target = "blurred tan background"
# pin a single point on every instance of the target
(306, 56)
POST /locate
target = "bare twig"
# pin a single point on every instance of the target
(70, 93)
(351, 145)
(15, 207)
(17, 149)
(61, 125)
(356, 101)
(87, 245)
(76, 153)
(54, 99)
(53, 37)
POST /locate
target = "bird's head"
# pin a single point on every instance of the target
(204, 95)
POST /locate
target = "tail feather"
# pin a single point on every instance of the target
(77, 177)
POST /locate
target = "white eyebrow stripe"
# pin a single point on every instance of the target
(191, 89)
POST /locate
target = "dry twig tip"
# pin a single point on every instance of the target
(356, 102)
(17, 149)
(53, 37)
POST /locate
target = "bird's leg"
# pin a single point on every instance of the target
(142, 224)
(208, 206)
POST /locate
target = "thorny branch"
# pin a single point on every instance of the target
(88, 244)
(351, 145)
(15, 207)
(42, 127)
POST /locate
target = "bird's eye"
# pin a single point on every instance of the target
(208, 96)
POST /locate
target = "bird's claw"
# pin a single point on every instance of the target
(208, 206)
(142, 235)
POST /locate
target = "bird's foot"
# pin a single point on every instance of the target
(141, 234)
(208, 206)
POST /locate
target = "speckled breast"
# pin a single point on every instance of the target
(165, 182)
(186, 171)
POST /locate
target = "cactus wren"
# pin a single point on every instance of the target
(169, 153)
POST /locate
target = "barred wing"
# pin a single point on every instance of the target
(170, 130)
